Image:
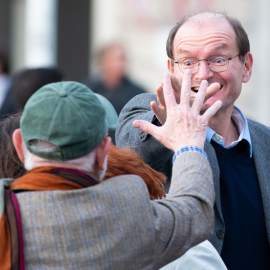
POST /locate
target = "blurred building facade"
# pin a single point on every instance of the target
(77, 29)
(46, 33)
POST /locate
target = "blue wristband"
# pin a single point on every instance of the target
(188, 149)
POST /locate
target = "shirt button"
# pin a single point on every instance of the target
(220, 234)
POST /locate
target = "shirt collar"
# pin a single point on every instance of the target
(242, 125)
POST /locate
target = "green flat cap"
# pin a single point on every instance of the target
(69, 115)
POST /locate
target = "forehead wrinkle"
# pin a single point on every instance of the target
(223, 38)
(216, 48)
(204, 38)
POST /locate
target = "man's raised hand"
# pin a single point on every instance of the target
(184, 125)
(159, 108)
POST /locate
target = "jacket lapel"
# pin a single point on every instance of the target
(261, 157)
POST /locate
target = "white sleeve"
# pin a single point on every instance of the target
(201, 257)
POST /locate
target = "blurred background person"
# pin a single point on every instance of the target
(113, 82)
(10, 164)
(4, 76)
(30, 80)
(25, 83)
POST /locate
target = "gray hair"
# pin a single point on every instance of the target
(85, 163)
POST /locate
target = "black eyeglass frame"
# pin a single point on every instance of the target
(207, 62)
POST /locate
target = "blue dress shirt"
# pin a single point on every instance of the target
(242, 125)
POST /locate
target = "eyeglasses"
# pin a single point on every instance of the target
(216, 63)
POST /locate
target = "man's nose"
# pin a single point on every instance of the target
(204, 72)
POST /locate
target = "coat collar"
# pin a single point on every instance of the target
(261, 154)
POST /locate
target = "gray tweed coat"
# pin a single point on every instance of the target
(114, 225)
(160, 158)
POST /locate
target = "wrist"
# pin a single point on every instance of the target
(190, 148)
(187, 144)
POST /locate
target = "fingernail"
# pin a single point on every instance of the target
(166, 75)
(188, 71)
(205, 82)
(136, 124)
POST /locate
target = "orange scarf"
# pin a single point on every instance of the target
(38, 179)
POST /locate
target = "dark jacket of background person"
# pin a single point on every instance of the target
(24, 84)
(113, 82)
(10, 164)
(120, 94)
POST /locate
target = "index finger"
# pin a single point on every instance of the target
(168, 92)
(176, 85)
(186, 86)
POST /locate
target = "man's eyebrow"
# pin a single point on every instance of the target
(221, 46)
(183, 51)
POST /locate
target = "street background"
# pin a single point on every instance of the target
(67, 34)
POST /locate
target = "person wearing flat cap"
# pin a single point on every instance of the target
(61, 215)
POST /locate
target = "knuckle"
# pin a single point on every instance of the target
(199, 100)
(170, 94)
(186, 94)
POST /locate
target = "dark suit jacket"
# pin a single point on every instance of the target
(160, 158)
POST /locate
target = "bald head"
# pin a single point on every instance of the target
(201, 20)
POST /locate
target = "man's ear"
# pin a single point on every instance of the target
(18, 144)
(247, 67)
(102, 151)
(170, 65)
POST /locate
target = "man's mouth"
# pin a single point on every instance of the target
(195, 89)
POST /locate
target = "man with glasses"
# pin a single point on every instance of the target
(215, 47)
(217, 63)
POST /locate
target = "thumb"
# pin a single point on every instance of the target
(160, 114)
(147, 127)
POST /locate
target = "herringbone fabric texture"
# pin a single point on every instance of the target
(114, 225)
